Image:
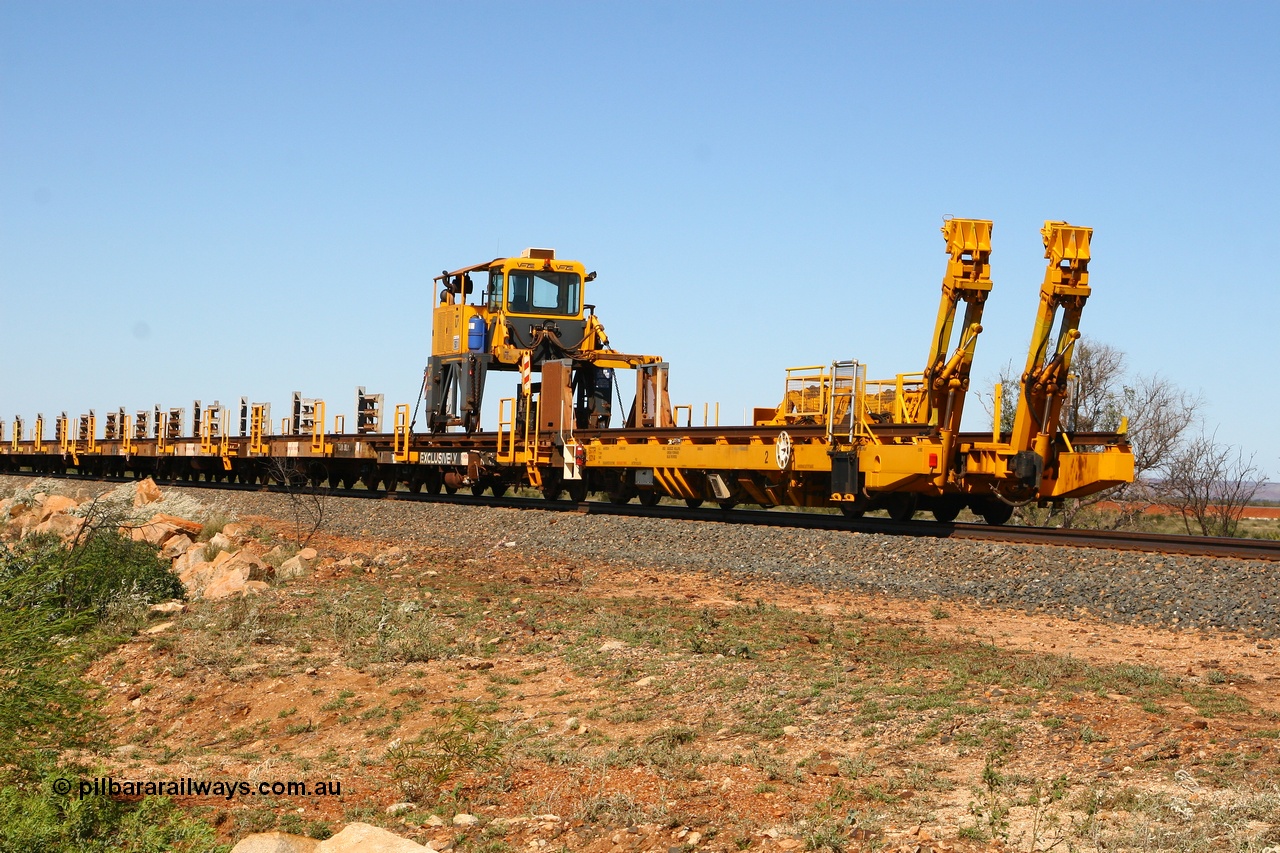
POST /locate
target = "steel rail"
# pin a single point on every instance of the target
(1156, 543)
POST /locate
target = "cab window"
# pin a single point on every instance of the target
(544, 292)
(493, 293)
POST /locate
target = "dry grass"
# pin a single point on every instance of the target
(510, 693)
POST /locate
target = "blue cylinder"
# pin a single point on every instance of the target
(475, 333)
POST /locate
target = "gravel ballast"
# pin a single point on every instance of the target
(1124, 586)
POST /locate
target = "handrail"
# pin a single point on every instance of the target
(318, 443)
(400, 434)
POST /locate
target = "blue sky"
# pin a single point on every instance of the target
(204, 200)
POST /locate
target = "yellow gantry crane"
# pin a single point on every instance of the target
(1044, 381)
(967, 280)
(1031, 464)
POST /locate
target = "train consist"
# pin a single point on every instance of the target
(835, 439)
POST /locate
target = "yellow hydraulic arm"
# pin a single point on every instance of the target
(968, 280)
(1044, 382)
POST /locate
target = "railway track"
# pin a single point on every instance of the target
(1161, 543)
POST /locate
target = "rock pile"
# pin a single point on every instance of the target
(227, 564)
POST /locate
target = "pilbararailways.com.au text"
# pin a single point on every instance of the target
(109, 786)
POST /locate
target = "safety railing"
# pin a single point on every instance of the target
(806, 391)
(894, 400)
(518, 436)
(506, 430)
(400, 434)
(319, 445)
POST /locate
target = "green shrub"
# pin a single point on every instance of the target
(50, 596)
(36, 818)
(101, 569)
(44, 706)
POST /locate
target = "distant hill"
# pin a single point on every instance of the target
(1268, 492)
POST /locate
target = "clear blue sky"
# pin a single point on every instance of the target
(203, 200)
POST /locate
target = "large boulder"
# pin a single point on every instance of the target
(239, 573)
(155, 532)
(145, 492)
(188, 560)
(290, 569)
(176, 546)
(63, 526)
(275, 842)
(225, 583)
(365, 838)
(297, 565)
(258, 570)
(195, 572)
(186, 525)
(53, 505)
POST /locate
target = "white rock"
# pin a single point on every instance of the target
(613, 646)
(645, 682)
(363, 838)
(275, 842)
(400, 808)
(167, 608)
(464, 819)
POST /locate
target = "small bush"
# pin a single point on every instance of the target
(87, 579)
(36, 818)
(50, 597)
(464, 743)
